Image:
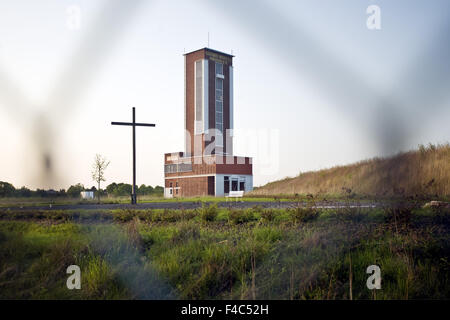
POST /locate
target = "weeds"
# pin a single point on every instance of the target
(208, 213)
(303, 215)
(268, 216)
(212, 253)
(241, 216)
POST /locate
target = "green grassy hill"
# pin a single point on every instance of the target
(423, 172)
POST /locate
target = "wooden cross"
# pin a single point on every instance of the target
(134, 125)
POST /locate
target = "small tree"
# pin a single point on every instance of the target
(6, 189)
(98, 171)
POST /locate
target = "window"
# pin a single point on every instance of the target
(174, 168)
(219, 68)
(170, 191)
(170, 184)
(176, 191)
(234, 185)
(242, 186)
(219, 90)
(185, 167)
(219, 107)
(176, 184)
(170, 168)
(198, 96)
(219, 118)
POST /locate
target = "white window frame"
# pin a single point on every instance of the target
(219, 75)
(202, 125)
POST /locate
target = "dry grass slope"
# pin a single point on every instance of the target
(422, 172)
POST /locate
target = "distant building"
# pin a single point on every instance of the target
(207, 166)
(88, 195)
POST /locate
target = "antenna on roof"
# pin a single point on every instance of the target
(208, 39)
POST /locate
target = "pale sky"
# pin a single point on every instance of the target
(311, 82)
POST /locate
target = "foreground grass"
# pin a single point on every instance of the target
(212, 253)
(34, 258)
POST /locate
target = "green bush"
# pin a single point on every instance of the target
(398, 215)
(268, 215)
(187, 214)
(267, 234)
(170, 215)
(208, 213)
(241, 216)
(123, 215)
(303, 214)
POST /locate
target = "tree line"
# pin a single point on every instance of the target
(113, 189)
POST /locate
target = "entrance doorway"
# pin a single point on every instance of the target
(211, 186)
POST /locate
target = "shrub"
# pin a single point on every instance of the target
(58, 215)
(398, 215)
(268, 215)
(187, 214)
(267, 234)
(123, 215)
(303, 214)
(187, 231)
(170, 216)
(208, 213)
(441, 214)
(350, 214)
(258, 209)
(241, 216)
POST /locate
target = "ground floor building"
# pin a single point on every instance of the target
(214, 175)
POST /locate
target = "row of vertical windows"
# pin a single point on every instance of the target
(198, 93)
(219, 103)
(234, 185)
(218, 100)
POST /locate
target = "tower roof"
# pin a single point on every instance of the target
(211, 50)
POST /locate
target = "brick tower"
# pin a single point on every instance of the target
(207, 166)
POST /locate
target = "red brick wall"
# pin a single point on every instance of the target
(189, 187)
(190, 95)
(190, 92)
(235, 168)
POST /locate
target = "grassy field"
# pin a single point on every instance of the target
(43, 201)
(421, 173)
(32, 202)
(211, 253)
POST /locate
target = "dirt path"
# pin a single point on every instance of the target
(193, 205)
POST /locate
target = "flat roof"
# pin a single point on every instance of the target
(212, 50)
